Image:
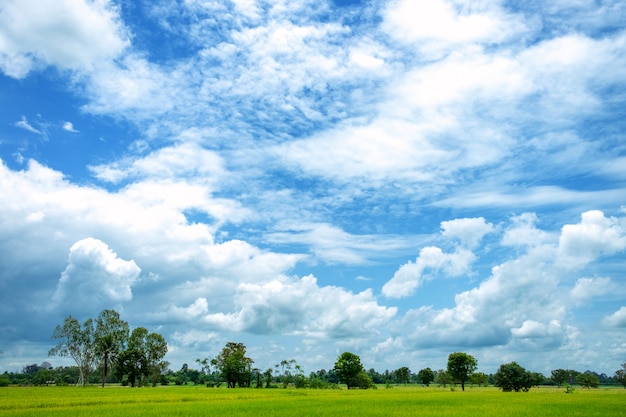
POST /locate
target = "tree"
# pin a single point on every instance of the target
(77, 342)
(443, 378)
(142, 357)
(479, 378)
(537, 378)
(426, 376)
(620, 375)
(402, 375)
(348, 367)
(559, 376)
(110, 336)
(461, 366)
(513, 377)
(588, 380)
(132, 365)
(235, 367)
(363, 381)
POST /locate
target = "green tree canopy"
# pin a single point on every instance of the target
(588, 380)
(403, 374)
(461, 366)
(77, 342)
(348, 367)
(234, 365)
(110, 336)
(479, 378)
(513, 377)
(426, 376)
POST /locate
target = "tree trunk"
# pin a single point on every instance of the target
(105, 368)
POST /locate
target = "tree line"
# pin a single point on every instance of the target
(106, 351)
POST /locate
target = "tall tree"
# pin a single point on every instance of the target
(156, 348)
(77, 342)
(402, 375)
(110, 336)
(234, 365)
(461, 366)
(348, 367)
(142, 357)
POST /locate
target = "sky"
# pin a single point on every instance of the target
(399, 179)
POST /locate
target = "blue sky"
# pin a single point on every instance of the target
(399, 179)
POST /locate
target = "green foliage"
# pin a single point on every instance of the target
(402, 375)
(479, 378)
(620, 375)
(348, 367)
(109, 338)
(77, 342)
(234, 365)
(426, 376)
(588, 380)
(513, 377)
(461, 366)
(561, 376)
(363, 381)
(443, 378)
(4, 381)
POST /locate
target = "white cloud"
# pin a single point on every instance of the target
(23, 124)
(588, 288)
(95, 277)
(333, 245)
(412, 274)
(68, 34)
(300, 306)
(594, 236)
(179, 160)
(523, 232)
(617, 319)
(69, 127)
(469, 231)
(437, 25)
(522, 303)
(183, 314)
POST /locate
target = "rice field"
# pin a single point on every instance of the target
(398, 401)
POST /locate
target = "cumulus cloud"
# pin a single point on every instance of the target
(68, 34)
(521, 302)
(468, 231)
(302, 307)
(95, 277)
(523, 232)
(594, 236)
(588, 288)
(411, 275)
(617, 319)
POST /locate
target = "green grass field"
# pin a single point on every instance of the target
(398, 401)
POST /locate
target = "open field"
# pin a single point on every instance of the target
(398, 401)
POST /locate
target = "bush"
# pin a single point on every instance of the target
(4, 381)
